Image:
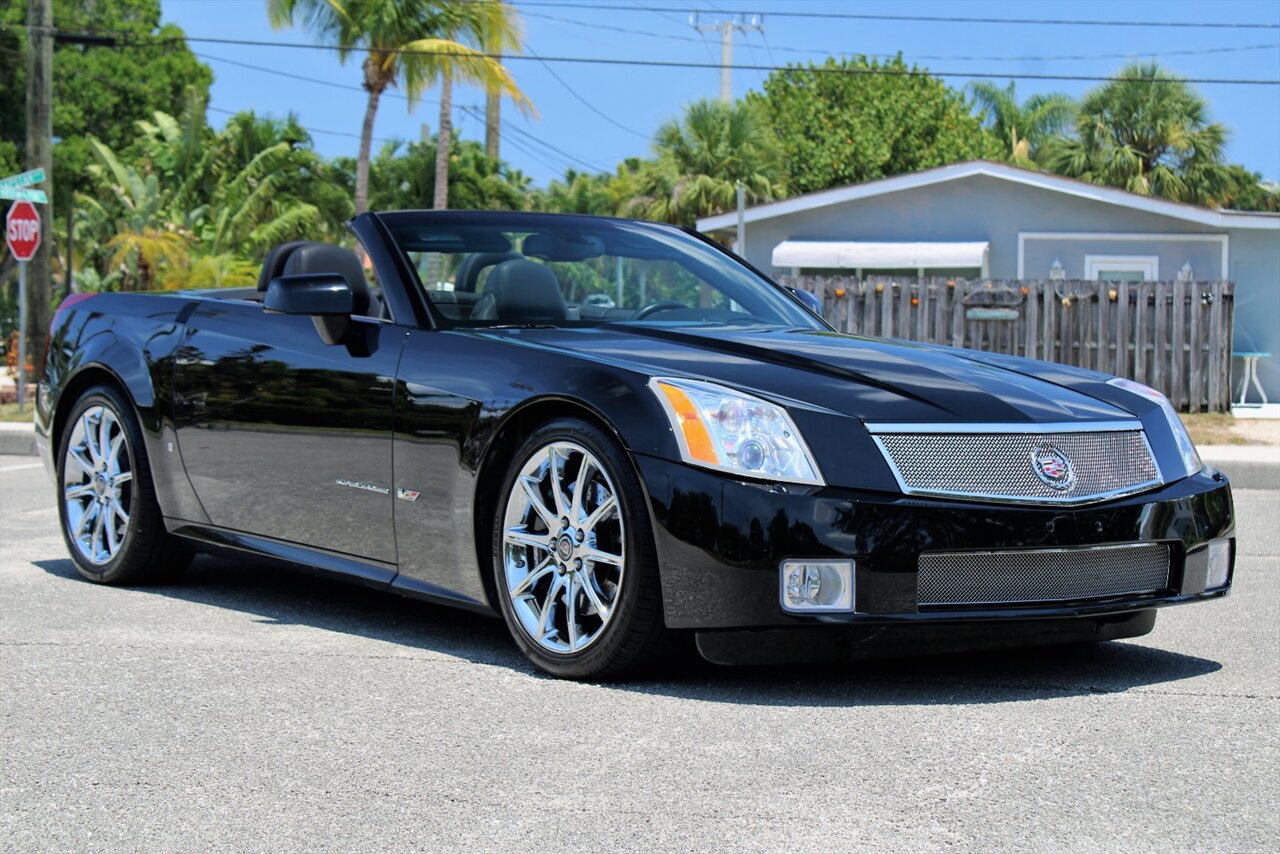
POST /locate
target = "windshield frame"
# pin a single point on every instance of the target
(517, 221)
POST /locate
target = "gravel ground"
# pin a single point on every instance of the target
(249, 708)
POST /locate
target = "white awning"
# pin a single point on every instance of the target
(879, 256)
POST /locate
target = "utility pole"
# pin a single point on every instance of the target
(39, 155)
(726, 28)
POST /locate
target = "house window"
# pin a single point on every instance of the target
(1121, 268)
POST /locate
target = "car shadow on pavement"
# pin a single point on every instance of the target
(276, 595)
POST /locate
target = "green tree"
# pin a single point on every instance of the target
(99, 90)
(1022, 128)
(403, 177)
(704, 155)
(1147, 132)
(409, 41)
(855, 119)
(182, 204)
(1248, 191)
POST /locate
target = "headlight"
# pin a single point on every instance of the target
(720, 428)
(1186, 448)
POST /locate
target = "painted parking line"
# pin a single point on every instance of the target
(22, 467)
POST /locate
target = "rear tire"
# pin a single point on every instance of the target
(574, 562)
(111, 520)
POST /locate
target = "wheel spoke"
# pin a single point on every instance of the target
(602, 610)
(81, 490)
(87, 427)
(121, 479)
(113, 536)
(606, 507)
(95, 540)
(86, 518)
(571, 612)
(530, 486)
(597, 556)
(113, 455)
(76, 457)
(548, 604)
(118, 509)
(580, 488)
(523, 537)
(525, 585)
(104, 437)
(553, 475)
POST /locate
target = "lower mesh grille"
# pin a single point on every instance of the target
(1042, 575)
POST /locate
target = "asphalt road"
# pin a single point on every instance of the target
(249, 708)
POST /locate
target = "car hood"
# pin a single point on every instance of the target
(875, 380)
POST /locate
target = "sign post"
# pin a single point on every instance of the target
(22, 233)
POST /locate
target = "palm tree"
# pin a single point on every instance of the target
(414, 41)
(703, 156)
(1148, 132)
(1022, 128)
(496, 33)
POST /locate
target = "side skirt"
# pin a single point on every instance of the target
(376, 574)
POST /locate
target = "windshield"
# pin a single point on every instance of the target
(505, 269)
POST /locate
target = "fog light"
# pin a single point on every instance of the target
(1219, 564)
(810, 586)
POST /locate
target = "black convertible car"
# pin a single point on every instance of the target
(612, 433)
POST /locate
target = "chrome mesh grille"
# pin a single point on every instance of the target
(1000, 467)
(1041, 575)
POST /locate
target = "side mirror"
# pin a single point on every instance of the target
(325, 297)
(809, 299)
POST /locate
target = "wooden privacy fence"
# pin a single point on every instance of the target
(1172, 336)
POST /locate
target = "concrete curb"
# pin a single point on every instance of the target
(1248, 466)
(17, 439)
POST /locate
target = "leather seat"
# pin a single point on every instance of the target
(521, 291)
(306, 256)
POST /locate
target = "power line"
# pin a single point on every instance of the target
(943, 19)
(590, 106)
(656, 63)
(811, 51)
(470, 110)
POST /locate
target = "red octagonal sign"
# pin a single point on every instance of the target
(22, 230)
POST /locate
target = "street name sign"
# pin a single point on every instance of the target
(23, 179)
(24, 194)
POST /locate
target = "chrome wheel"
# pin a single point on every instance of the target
(563, 548)
(97, 484)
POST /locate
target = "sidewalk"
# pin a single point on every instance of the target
(17, 438)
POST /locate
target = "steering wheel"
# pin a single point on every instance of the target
(655, 307)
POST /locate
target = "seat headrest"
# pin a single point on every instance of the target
(326, 258)
(525, 291)
(273, 263)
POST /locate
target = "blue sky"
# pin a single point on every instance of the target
(635, 100)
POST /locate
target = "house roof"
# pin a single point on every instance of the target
(1003, 172)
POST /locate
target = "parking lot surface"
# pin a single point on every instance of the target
(252, 708)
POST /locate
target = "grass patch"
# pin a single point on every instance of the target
(9, 412)
(1212, 428)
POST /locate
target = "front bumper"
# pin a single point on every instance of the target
(721, 541)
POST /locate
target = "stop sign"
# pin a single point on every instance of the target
(22, 230)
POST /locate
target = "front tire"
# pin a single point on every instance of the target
(573, 555)
(111, 520)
